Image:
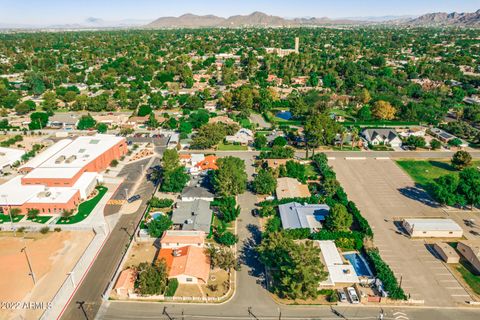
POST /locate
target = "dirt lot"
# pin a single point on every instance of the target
(51, 256)
(141, 252)
(383, 192)
(217, 286)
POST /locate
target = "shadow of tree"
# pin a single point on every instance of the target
(418, 194)
(249, 256)
(442, 165)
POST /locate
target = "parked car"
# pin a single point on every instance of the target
(352, 294)
(342, 297)
(133, 198)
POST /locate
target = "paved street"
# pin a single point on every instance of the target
(102, 271)
(383, 192)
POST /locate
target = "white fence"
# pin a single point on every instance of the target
(63, 295)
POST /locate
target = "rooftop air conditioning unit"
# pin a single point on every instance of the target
(71, 159)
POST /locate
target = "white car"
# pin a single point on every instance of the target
(352, 294)
(342, 297)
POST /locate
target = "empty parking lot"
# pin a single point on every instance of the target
(383, 192)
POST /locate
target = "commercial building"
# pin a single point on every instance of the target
(9, 156)
(446, 252)
(432, 228)
(62, 176)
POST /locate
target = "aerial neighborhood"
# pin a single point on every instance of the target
(215, 167)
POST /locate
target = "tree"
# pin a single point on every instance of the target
(102, 128)
(260, 142)
(230, 179)
(320, 129)
(435, 144)
(222, 258)
(365, 96)
(175, 180)
(25, 107)
(264, 182)
(456, 142)
(144, 110)
(296, 268)
(86, 122)
(38, 120)
(157, 226)
(280, 141)
(468, 186)
(226, 238)
(228, 210)
(384, 110)
(32, 213)
(338, 219)
(444, 190)
(296, 170)
(365, 113)
(151, 278)
(170, 160)
(461, 159)
(415, 142)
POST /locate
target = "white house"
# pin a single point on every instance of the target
(382, 136)
(243, 137)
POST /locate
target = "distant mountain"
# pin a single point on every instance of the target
(89, 23)
(464, 19)
(256, 19)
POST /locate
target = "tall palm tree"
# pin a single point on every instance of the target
(354, 135)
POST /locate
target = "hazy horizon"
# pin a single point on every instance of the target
(31, 12)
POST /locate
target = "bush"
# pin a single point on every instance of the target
(385, 274)
(160, 203)
(44, 230)
(461, 159)
(156, 227)
(266, 211)
(355, 236)
(114, 163)
(171, 288)
(226, 238)
(57, 229)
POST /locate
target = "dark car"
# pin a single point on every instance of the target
(133, 198)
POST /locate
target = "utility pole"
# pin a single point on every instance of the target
(126, 193)
(4, 196)
(81, 307)
(24, 250)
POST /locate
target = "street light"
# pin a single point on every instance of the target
(4, 196)
(71, 273)
(126, 193)
(24, 250)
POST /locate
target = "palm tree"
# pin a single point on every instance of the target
(354, 135)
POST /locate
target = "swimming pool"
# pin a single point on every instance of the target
(285, 115)
(359, 264)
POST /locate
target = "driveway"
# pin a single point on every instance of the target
(384, 193)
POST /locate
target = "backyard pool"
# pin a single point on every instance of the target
(359, 264)
(285, 115)
(156, 215)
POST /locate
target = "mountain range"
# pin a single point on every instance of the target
(260, 19)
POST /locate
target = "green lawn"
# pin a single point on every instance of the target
(6, 218)
(380, 148)
(472, 279)
(85, 208)
(231, 147)
(426, 171)
(346, 148)
(310, 171)
(40, 219)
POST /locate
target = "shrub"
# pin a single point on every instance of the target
(44, 230)
(226, 238)
(114, 163)
(461, 159)
(57, 229)
(266, 211)
(156, 227)
(160, 203)
(385, 274)
(171, 288)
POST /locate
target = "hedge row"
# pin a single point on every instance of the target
(385, 274)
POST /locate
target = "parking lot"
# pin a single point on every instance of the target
(384, 193)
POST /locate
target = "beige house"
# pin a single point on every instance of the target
(446, 252)
(432, 228)
(470, 250)
(291, 188)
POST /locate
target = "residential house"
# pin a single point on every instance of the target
(172, 239)
(243, 137)
(339, 272)
(192, 215)
(189, 264)
(377, 137)
(125, 285)
(432, 228)
(470, 250)
(445, 136)
(137, 121)
(196, 191)
(307, 216)
(222, 119)
(291, 188)
(65, 121)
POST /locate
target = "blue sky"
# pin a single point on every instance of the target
(74, 11)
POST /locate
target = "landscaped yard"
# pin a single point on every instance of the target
(6, 218)
(472, 279)
(40, 219)
(346, 148)
(425, 172)
(231, 147)
(85, 208)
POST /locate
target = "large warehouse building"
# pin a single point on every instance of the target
(62, 176)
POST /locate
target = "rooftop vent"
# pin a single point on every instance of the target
(71, 159)
(59, 159)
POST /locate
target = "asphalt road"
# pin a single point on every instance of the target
(104, 267)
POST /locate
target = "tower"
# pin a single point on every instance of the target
(297, 44)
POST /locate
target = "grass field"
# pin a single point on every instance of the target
(85, 208)
(40, 219)
(426, 171)
(346, 148)
(231, 147)
(472, 279)
(6, 218)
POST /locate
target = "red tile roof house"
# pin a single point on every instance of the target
(125, 283)
(189, 264)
